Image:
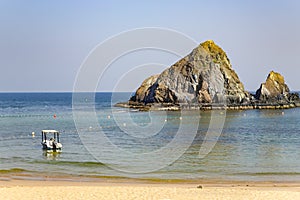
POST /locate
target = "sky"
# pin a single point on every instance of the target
(44, 43)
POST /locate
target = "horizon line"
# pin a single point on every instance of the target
(65, 92)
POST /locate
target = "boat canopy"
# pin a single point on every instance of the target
(49, 131)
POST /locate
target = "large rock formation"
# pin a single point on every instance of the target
(204, 76)
(204, 79)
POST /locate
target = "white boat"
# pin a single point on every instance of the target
(52, 144)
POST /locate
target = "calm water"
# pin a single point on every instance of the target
(254, 144)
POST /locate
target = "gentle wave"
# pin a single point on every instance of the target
(13, 170)
(73, 163)
(269, 173)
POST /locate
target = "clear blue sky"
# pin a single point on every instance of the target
(43, 43)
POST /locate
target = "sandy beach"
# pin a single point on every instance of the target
(27, 189)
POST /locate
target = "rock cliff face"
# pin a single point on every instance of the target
(204, 76)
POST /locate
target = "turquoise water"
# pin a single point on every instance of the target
(257, 145)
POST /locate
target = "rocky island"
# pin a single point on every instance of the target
(205, 80)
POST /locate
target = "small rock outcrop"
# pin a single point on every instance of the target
(273, 89)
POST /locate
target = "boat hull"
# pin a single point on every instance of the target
(49, 149)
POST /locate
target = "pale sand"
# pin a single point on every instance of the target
(25, 189)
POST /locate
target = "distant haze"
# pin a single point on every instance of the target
(43, 43)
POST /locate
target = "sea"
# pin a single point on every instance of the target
(103, 141)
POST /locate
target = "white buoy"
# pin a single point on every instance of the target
(33, 134)
(108, 116)
(180, 118)
(166, 120)
(124, 124)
